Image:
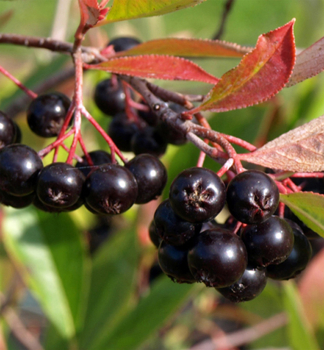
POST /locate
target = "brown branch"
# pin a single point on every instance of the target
(227, 8)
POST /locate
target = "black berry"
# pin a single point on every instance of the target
(124, 43)
(46, 114)
(270, 242)
(19, 166)
(297, 259)
(173, 262)
(218, 258)
(98, 157)
(17, 202)
(171, 228)
(252, 197)
(110, 189)
(8, 131)
(197, 194)
(151, 177)
(154, 237)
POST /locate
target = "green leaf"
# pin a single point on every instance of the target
(50, 255)
(151, 313)
(128, 9)
(300, 333)
(308, 207)
(112, 285)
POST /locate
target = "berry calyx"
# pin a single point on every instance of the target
(197, 194)
(252, 197)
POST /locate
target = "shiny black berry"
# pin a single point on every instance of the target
(18, 134)
(297, 259)
(98, 157)
(249, 286)
(59, 185)
(8, 132)
(121, 130)
(151, 176)
(197, 194)
(17, 202)
(218, 258)
(252, 197)
(46, 114)
(19, 166)
(111, 189)
(148, 140)
(124, 43)
(109, 97)
(171, 228)
(154, 237)
(270, 242)
(173, 262)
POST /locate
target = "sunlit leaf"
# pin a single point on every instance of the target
(188, 48)
(299, 150)
(48, 252)
(157, 67)
(308, 207)
(151, 313)
(301, 336)
(260, 74)
(128, 9)
(309, 63)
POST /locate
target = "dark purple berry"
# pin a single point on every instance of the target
(151, 177)
(218, 258)
(8, 131)
(18, 134)
(148, 140)
(124, 43)
(46, 114)
(197, 194)
(249, 286)
(98, 157)
(111, 189)
(17, 202)
(252, 197)
(121, 130)
(154, 237)
(109, 97)
(171, 228)
(59, 185)
(173, 262)
(19, 166)
(297, 259)
(269, 242)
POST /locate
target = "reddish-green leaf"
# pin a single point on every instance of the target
(308, 207)
(188, 48)
(259, 76)
(91, 13)
(157, 67)
(309, 63)
(300, 149)
(128, 9)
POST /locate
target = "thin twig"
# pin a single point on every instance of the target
(227, 8)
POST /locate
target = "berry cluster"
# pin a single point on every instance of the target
(237, 260)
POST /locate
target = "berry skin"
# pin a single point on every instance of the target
(197, 194)
(18, 134)
(109, 97)
(98, 157)
(148, 140)
(171, 228)
(218, 258)
(124, 43)
(154, 237)
(297, 259)
(252, 197)
(249, 286)
(121, 130)
(19, 166)
(46, 114)
(111, 189)
(151, 177)
(17, 202)
(8, 131)
(59, 185)
(270, 242)
(173, 262)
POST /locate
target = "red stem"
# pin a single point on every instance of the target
(18, 83)
(42, 153)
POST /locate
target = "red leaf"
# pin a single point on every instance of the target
(259, 76)
(157, 67)
(91, 13)
(309, 63)
(188, 48)
(301, 149)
